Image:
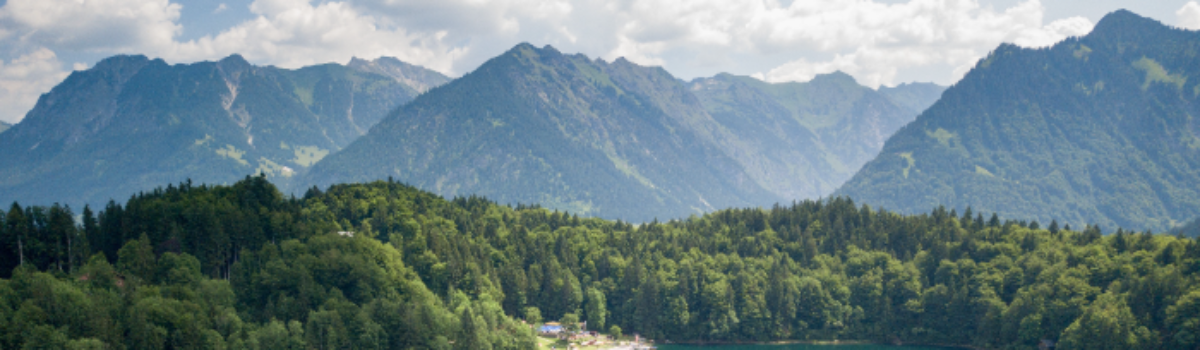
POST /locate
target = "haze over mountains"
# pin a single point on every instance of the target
(130, 124)
(4, 126)
(1099, 129)
(802, 140)
(619, 140)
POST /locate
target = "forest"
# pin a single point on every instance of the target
(387, 266)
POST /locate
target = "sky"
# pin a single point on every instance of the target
(879, 42)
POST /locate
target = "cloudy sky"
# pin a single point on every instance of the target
(879, 42)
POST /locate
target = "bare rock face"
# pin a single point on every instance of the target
(418, 78)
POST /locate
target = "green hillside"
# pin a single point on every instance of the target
(1099, 129)
(387, 266)
(618, 140)
(130, 123)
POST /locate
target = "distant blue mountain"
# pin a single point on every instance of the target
(130, 124)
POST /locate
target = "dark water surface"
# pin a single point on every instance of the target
(798, 347)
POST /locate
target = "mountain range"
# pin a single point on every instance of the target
(130, 124)
(619, 140)
(803, 140)
(1097, 129)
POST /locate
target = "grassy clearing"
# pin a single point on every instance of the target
(908, 157)
(941, 135)
(306, 156)
(1155, 73)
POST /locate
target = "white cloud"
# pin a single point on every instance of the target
(220, 8)
(876, 42)
(873, 41)
(295, 33)
(91, 25)
(39, 29)
(24, 79)
(1188, 16)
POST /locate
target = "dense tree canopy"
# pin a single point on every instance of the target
(384, 265)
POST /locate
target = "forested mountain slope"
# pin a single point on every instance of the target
(1099, 129)
(130, 123)
(384, 265)
(618, 140)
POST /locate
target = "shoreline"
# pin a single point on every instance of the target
(776, 342)
(819, 342)
(837, 342)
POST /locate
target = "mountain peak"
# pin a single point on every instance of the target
(837, 77)
(994, 140)
(355, 61)
(146, 123)
(120, 67)
(120, 62)
(1122, 22)
(523, 48)
(234, 62)
(527, 49)
(419, 78)
(384, 60)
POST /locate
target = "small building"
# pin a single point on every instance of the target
(549, 330)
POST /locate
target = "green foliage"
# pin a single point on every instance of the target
(596, 309)
(137, 258)
(1106, 324)
(1156, 74)
(425, 272)
(570, 322)
(1093, 130)
(532, 315)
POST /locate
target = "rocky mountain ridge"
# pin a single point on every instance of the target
(619, 140)
(131, 123)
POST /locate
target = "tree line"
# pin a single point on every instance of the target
(385, 265)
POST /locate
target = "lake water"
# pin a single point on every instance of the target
(798, 347)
